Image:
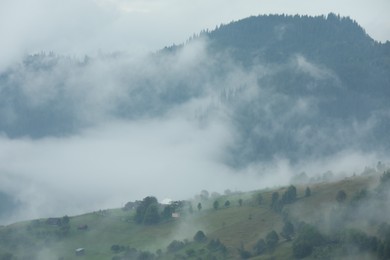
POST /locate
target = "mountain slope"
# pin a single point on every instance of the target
(106, 234)
(328, 65)
(290, 86)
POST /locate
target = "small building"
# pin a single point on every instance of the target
(80, 251)
(175, 215)
(83, 227)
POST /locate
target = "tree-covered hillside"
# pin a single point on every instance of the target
(336, 43)
(327, 64)
(294, 87)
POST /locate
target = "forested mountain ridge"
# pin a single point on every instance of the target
(327, 58)
(292, 86)
(338, 43)
(335, 42)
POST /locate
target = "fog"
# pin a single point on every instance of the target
(140, 126)
(107, 166)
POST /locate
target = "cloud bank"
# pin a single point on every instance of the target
(115, 128)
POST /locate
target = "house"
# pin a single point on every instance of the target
(83, 227)
(80, 251)
(175, 215)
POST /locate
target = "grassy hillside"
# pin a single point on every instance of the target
(232, 231)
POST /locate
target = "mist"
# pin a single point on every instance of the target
(85, 134)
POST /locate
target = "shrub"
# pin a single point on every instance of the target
(302, 248)
(290, 195)
(175, 245)
(147, 211)
(117, 248)
(216, 204)
(341, 196)
(145, 255)
(190, 252)
(308, 237)
(272, 239)
(244, 254)
(200, 236)
(288, 230)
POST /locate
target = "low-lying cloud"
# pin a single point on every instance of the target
(107, 165)
(79, 135)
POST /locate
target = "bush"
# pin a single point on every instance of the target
(244, 254)
(216, 204)
(302, 248)
(360, 239)
(288, 230)
(117, 248)
(131, 253)
(199, 206)
(167, 212)
(290, 195)
(358, 198)
(147, 211)
(272, 239)
(190, 252)
(341, 196)
(151, 215)
(308, 237)
(175, 245)
(200, 236)
(216, 245)
(145, 255)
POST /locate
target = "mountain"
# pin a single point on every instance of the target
(328, 64)
(294, 87)
(264, 89)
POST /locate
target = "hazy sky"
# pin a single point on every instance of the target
(79, 27)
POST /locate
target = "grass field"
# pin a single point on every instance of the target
(234, 226)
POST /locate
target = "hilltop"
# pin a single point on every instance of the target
(336, 225)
